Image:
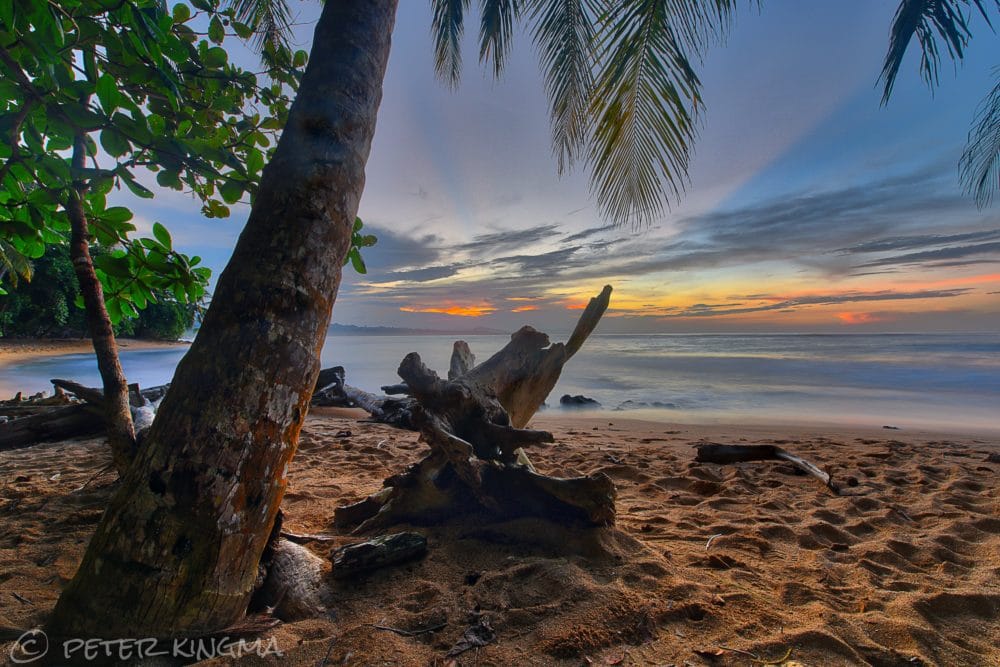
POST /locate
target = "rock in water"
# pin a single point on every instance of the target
(578, 401)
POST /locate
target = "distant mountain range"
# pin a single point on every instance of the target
(353, 330)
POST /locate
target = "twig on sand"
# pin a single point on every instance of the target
(21, 598)
(300, 538)
(329, 650)
(410, 633)
(712, 539)
(777, 661)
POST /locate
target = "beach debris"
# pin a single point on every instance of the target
(383, 551)
(333, 391)
(301, 538)
(59, 417)
(480, 633)
(993, 457)
(294, 586)
(721, 453)
(891, 428)
(474, 426)
(578, 401)
(708, 545)
(411, 633)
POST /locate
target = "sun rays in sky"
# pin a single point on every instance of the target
(809, 208)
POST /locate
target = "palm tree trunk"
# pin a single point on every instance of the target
(177, 551)
(121, 431)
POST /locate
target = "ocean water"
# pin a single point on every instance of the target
(942, 381)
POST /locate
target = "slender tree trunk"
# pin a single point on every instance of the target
(121, 431)
(176, 553)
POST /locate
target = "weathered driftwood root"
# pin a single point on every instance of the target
(718, 453)
(473, 424)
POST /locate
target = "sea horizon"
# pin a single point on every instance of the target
(907, 380)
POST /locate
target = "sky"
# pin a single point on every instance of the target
(809, 208)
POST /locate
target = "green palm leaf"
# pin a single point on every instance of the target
(272, 25)
(645, 101)
(13, 263)
(495, 30)
(929, 20)
(447, 27)
(564, 33)
(979, 167)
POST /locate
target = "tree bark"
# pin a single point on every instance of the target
(176, 552)
(121, 431)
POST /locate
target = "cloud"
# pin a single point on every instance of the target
(950, 253)
(776, 303)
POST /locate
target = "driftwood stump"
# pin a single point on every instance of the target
(473, 424)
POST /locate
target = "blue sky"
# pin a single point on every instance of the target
(810, 207)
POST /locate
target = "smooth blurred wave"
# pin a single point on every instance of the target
(905, 380)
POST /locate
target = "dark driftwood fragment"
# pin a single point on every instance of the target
(383, 409)
(473, 425)
(718, 453)
(72, 421)
(376, 553)
(75, 419)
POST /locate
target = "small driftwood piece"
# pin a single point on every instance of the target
(332, 390)
(72, 421)
(383, 551)
(718, 453)
(474, 424)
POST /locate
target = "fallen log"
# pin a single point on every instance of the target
(719, 453)
(76, 420)
(473, 424)
(73, 421)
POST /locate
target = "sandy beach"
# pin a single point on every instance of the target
(17, 350)
(707, 564)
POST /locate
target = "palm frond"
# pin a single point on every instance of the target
(447, 27)
(272, 25)
(14, 264)
(645, 101)
(979, 168)
(929, 20)
(564, 33)
(495, 31)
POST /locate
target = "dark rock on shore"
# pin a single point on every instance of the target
(578, 401)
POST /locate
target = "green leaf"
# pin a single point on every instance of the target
(231, 191)
(243, 31)
(107, 92)
(181, 13)
(137, 188)
(169, 178)
(162, 235)
(357, 262)
(215, 57)
(114, 142)
(255, 161)
(216, 32)
(117, 214)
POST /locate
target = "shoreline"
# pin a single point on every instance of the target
(20, 350)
